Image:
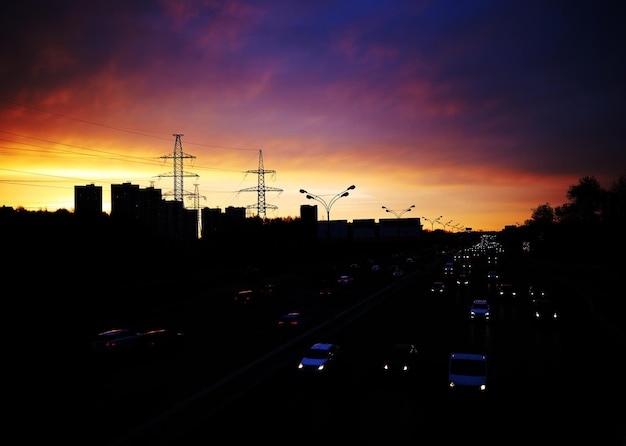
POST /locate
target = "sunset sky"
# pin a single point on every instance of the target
(478, 111)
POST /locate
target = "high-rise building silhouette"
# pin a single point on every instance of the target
(125, 201)
(88, 200)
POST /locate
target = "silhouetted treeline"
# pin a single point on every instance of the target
(588, 228)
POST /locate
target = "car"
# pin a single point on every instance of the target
(537, 292)
(294, 320)
(397, 272)
(320, 358)
(479, 310)
(375, 268)
(345, 280)
(467, 371)
(116, 340)
(493, 275)
(162, 340)
(507, 291)
(462, 280)
(245, 297)
(438, 287)
(400, 359)
(268, 289)
(448, 268)
(544, 309)
(327, 291)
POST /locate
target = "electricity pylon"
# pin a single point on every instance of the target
(178, 155)
(196, 204)
(261, 205)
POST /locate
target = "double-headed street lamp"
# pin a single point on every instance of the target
(432, 222)
(445, 224)
(329, 204)
(398, 213)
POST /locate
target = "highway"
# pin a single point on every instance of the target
(548, 384)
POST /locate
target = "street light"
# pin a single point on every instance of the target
(432, 222)
(398, 214)
(445, 224)
(329, 204)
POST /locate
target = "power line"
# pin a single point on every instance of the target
(118, 128)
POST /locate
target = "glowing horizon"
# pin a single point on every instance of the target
(462, 110)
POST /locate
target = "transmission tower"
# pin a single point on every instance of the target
(196, 197)
(196, 204)
(261, 205)
(178, 172)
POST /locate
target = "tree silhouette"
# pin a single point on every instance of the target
(543, 215)
(587, 198)
(615, 209)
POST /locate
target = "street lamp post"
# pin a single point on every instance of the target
(432, 222)
(445, 224)
(329, 204)
(398, 214)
